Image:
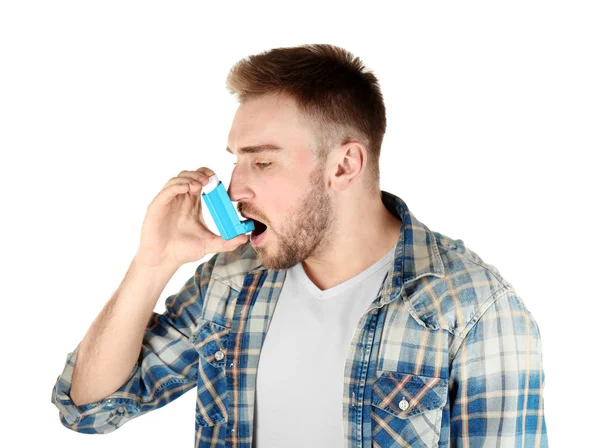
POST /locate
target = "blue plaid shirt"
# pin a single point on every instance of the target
(447, 354)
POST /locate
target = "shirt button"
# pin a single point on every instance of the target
(121, 409)
(219, 355)
(403, 404)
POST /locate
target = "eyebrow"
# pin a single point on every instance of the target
(257, 149)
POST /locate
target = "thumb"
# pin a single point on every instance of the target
(219, 244)
(235, 242)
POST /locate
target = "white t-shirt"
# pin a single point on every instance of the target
(300, 377)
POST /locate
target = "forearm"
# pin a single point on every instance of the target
(112, 344)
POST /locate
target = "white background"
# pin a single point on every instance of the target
(493, 123)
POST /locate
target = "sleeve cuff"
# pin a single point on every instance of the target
(73, 414)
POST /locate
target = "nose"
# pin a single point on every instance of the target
(230, 192)
(234, 194)
(235, 189)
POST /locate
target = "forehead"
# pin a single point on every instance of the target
(268, 120)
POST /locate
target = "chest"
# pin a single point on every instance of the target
(395, 374)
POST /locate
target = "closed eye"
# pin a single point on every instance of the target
(261, 165)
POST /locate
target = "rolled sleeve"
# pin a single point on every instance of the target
(101, 416)
(166, 368)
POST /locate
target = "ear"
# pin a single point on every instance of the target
(350, 161)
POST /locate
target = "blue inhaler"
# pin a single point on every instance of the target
(222, 211)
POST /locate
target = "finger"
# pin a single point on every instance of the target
(217, 244)
(167, 194)
(237, 241)
(185, 175)
(199, 174)
(206, 171)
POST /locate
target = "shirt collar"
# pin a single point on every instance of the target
(416, 255)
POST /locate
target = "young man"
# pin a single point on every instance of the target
(344, 321)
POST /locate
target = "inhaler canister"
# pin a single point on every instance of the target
(222, 210)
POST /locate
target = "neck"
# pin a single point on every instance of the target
(368, 233)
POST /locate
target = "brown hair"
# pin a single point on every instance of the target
(332, 91)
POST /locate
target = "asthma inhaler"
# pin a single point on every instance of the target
(222, 210)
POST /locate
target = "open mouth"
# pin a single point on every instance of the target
(259, 228)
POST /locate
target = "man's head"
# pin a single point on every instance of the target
(326, 114)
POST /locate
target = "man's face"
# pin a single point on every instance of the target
(288, 194)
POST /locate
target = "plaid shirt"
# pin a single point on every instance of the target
(447, 354)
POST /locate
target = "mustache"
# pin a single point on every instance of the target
(244, 211)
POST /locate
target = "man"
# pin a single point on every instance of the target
(347, 322)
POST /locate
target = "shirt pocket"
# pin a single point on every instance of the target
(406, 409)
(211, 400)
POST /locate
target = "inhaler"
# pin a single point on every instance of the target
(222, 210)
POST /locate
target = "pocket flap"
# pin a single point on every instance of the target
(405, 394)
(211, 343)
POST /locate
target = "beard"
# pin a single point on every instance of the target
(308, 232)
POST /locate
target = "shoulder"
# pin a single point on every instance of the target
(457, 300)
